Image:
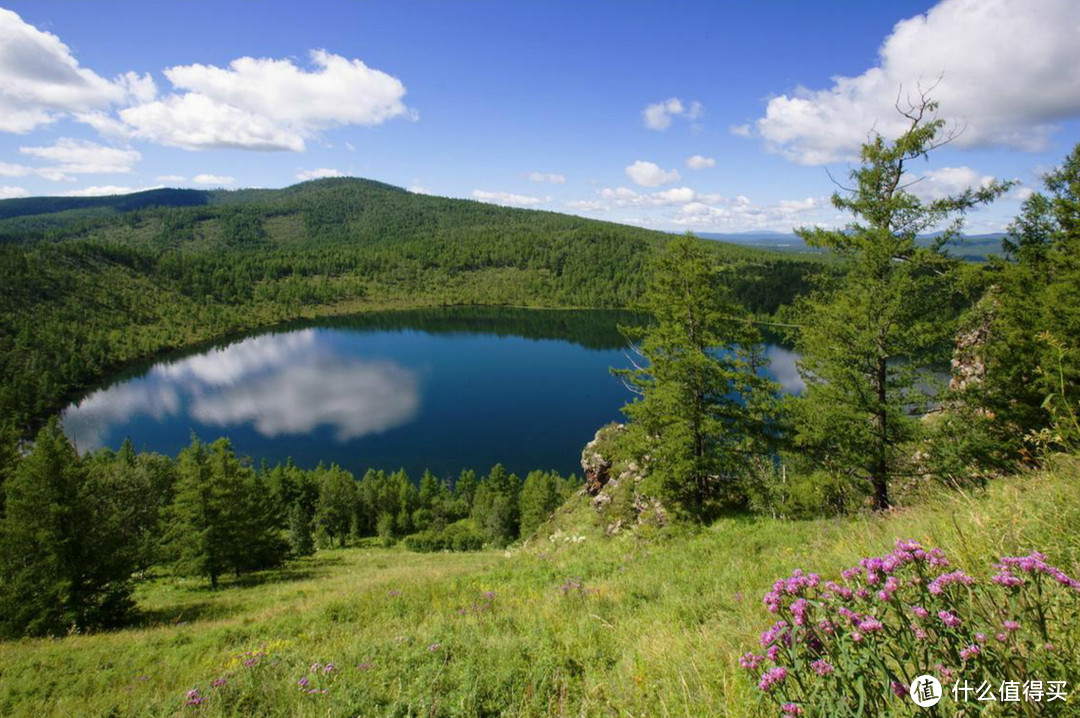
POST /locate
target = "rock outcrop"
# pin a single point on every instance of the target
(616, 485)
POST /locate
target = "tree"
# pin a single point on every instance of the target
(866, 337)
(61, 566)
(539, 498)
(1033, 344)
(337, 504)
(692, 418)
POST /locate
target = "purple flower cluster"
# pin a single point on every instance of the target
(831, 630)
(1034, 563)
(194, 699)
(573, 586)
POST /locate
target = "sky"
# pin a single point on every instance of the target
(704, 116)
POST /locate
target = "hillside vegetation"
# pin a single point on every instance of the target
(93, 283)
(570, 624)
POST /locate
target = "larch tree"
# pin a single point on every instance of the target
(869, 333)
(699, 387)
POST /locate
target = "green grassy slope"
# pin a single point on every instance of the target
(419, 635)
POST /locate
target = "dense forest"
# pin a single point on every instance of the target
(91, 284)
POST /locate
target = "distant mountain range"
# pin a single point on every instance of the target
(972, 247)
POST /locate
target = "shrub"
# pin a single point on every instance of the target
(464, 535)
(854, 647)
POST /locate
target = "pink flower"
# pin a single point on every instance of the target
(750, 661)
(969, 652)
(821, 667)
(1011, 626)
(949, 619)
(790, 709)
(772, 677)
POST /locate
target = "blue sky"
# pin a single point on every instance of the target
(594, 108)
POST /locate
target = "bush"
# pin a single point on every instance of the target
(464, 535)
(855, 647)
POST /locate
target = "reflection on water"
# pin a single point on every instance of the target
(444, 390)
(280, 384)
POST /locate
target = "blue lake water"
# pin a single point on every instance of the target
(438, 389)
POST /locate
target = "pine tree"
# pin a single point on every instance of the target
(337, 504)
(865, 339)
(693, 416)
(61, 567)
(539, 498)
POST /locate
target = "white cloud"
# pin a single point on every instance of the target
(1021, 193)
(740, 130)
(940, 183)
(266, 104)
(659, 116)
(40, 80)
(582, 205)
(207, 180)
(506, 198)
(1007, 69)
(698, 162)
(84, 157)
(419, 189)
(171, 178)
(103, 191)
(9, 192)
(321, 173)
(625, 197)
(547, 177)
(649, 174)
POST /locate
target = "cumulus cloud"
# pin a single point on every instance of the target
(418, 189)
(946, 181)
(209, 180)
(625, 197)
(546, 177)
(266, 104)
(10, 192)
(659, 116)
(321, 173)
(83, 157)
(649, 174)
(1007, 72)
(583, 205)
(508, 199)
(698, 162)
(40, 80)
(171, 178)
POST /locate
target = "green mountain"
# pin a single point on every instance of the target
(91, 284)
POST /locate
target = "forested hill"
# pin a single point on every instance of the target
(93, 283)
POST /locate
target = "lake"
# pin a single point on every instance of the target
(439, 389)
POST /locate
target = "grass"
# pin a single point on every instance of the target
(655, 628)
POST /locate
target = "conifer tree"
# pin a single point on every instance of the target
(866, 337)
(61, 567)
(699, 379)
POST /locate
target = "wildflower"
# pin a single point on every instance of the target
(790, 709)
(898, 689)
(949, 619)
(769, 637)
(799, 610)
(489, 595)
(1001, 637)
(773, 652)
(821, 667)
(980, 638)
(870, 625)
(433, 647)
(329, 668)
(1011, 626)
(750, 661)
(303, 682)
(193, 698)
(393, 593)
(938, 584)
(315, 667)
(919, 611)
(856, 636)
(946, 673)
(969, 652)
(919, 633)
(772, 677)
(218, 682)
(366, 666)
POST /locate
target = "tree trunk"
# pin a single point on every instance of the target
(879, 477)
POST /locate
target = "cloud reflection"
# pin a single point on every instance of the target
(354, 398)
(279, 384)
(785, 370)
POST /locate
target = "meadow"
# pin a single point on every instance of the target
(572, 622)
